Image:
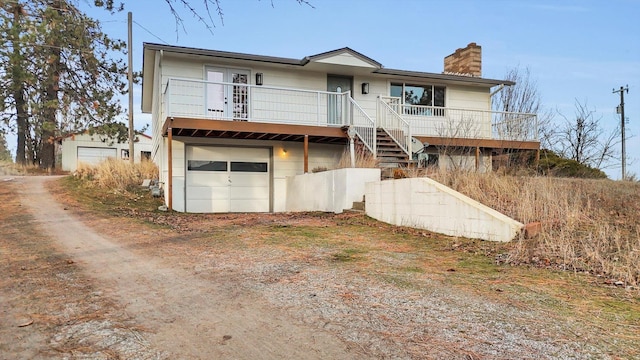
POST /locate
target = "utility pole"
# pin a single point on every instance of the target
(130, 76)
(622, 126)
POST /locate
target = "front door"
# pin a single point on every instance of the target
(227, 101)
(336, 104)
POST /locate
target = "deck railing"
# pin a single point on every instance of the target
(268, 104)
(243, 102)
(465, 123)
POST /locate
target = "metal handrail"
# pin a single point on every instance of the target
(398, 128)
(365, 129)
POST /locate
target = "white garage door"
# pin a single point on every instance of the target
(93, 155)
(228, 179)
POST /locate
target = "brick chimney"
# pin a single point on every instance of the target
(467, 61)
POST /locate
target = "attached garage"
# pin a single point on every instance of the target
(228, 179)
(94, 155)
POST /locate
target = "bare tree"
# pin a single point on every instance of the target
(581, 138)
(523, 97)
(202, 13)
(461, 133)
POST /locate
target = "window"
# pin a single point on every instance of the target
(425, 95)
(124, 153)
(199, 165)
(240, 166)
(145, 155)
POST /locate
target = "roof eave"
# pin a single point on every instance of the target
(222, 54)
(344, 49)
(148, 69)
(444, 77)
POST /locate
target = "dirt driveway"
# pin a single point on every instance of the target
(82, 284)
(184, 316)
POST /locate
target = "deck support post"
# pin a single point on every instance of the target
(352, 151)
(170, 169)
(537, 164)
(477, 158)
(306, 154)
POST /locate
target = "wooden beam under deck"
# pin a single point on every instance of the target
(318, 134)
(480, 143)
(276, 131)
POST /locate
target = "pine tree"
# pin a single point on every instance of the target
(74, 74)
(5, 155)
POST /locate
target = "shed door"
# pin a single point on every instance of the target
(228, 179)
(94, 155)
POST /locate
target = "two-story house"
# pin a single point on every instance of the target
(228, 128)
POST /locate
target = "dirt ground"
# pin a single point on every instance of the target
(82, 284)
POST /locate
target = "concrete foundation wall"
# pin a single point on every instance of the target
(426, 204)
(330, 191)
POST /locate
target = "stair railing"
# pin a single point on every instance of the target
(393, 124)
(364, 126)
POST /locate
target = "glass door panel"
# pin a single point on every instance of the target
(240, 106)
(225, 99)
(335, 103)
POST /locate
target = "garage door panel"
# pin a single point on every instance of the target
(258, 193)
(197, 178)
(243, 187)
(207, 153)
(94, 156)
(208, 193)
(248, 179)
(206, 206)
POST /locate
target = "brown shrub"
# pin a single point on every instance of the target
(587, 225)
(117, 174)
(364, 159)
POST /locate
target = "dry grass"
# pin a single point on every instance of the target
(11, 168)
(587, 225)
(117, 174)
(364, 159)
(396, 292)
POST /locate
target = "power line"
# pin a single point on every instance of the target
(152, 34)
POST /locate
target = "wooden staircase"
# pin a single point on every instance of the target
(389, 154)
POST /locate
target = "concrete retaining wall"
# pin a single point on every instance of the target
(426, 204)
(330, 191)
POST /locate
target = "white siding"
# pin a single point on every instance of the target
(369, 102)
(467, 97)
(345, 59)
(465, 160)
(285, 164)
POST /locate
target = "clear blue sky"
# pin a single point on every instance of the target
(580, 49)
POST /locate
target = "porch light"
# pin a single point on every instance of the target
(258, 78)
(365, 88)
